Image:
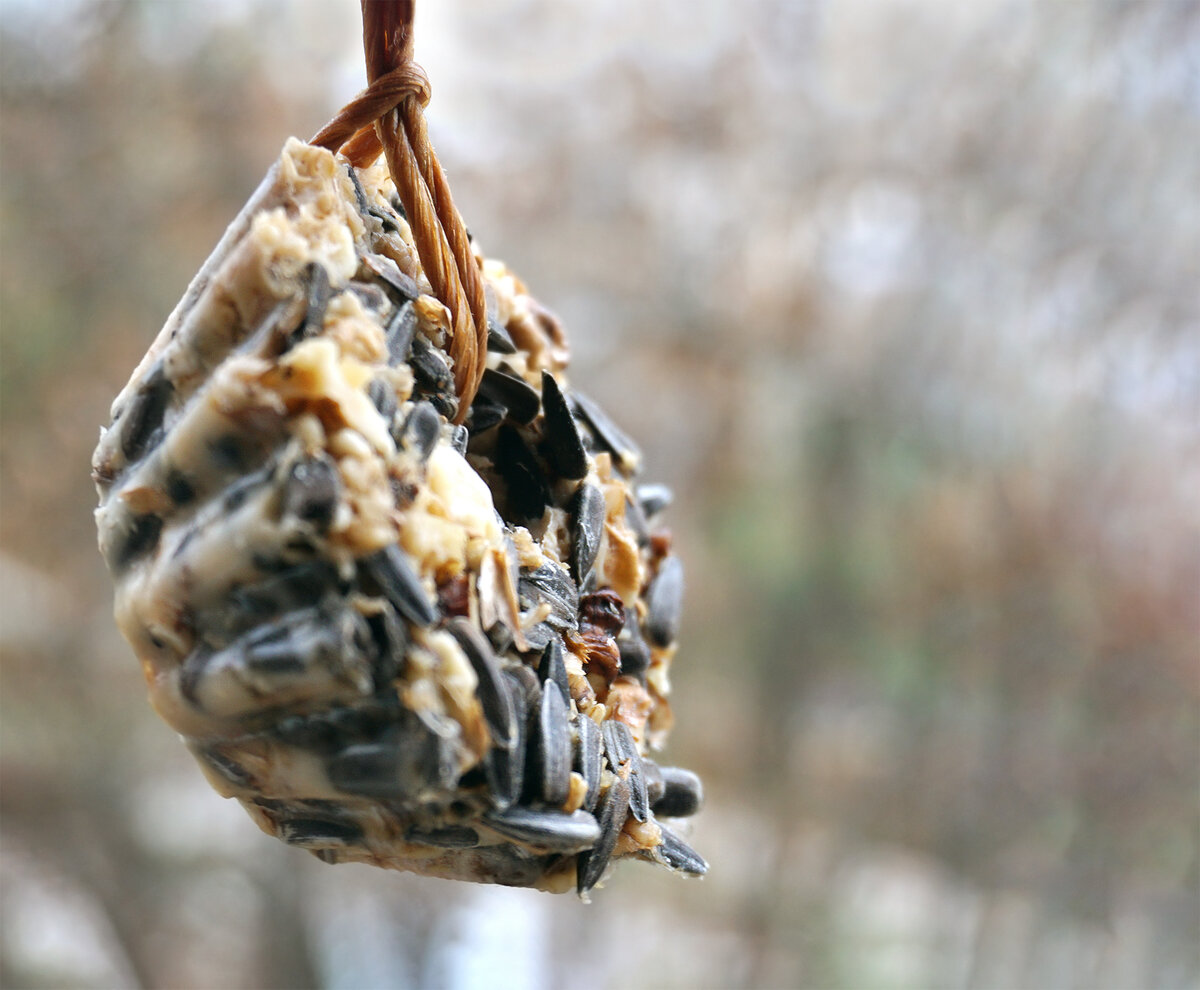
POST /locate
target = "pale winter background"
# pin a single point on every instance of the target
(901, 298)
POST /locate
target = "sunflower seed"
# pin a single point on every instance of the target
(421, 430)
(492, 689)
(552, 668)
(223, 765)
(459, 437)
(142, 418)
(523, 477)
(563, 445)
(391, 645)
(396, 580)
(498, 339)
(552, 746)
(140, 537)
(621, 748)
(360, 197)
(588, 512)
(445, 837)
(635, 654)
(285, 591)
(485, 414)
(654, 781)
(311, 491)
(405, 761)
(514, 394)
(383, 396)
(653, 499)
(683, 793)
(317, 833)
(588, 758)
(373, 298)
(405, 287)
(316, 301)
(678, 855)
(637, 521)
(374, 770)
(399, 333)
(612, 812)
(610, 436)
(429, 367)
(525, 682)
(504, 769)
(552, 831)
(551, 584)
(664, 602)
(179, 489)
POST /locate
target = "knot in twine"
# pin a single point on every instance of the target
(388, 116)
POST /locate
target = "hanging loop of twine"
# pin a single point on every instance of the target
(388, 116)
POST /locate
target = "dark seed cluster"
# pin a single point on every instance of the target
(395, 639)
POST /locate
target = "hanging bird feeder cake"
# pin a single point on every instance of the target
(387, 572)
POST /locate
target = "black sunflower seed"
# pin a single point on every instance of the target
(229, 769)
(492, 689)
(653, 499)
(588, 512)
(179, 489)
(515, 394)
(142, 419)
(682, 795)
(383, 396)
(611, 813)
(405, 288)
(445, 837)
(551, 584)
(678, 855)
(498, 339)
(485, 414)
(420, 431)
(311, 491)
(394, 578)
(635, 654)
(552, 746)
(621, 748)
(429, 367)
(399, 333)
(525, 682)
(528, 493)
(551, 831)
(360, 197)
(139, 538)
(552, 667)
(563, 444)
(608, 433)
(588, 758)
(391, 646)
(284, 591)
(637, 521)
(664, 603)
(316, 300)
(373, 770)
(504, 768)
(655, 785)
(317, 832)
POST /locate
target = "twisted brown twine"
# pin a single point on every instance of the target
(388, 115)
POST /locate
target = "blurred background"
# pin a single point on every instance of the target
(900, 296)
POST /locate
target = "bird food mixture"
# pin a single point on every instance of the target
(397, 631)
